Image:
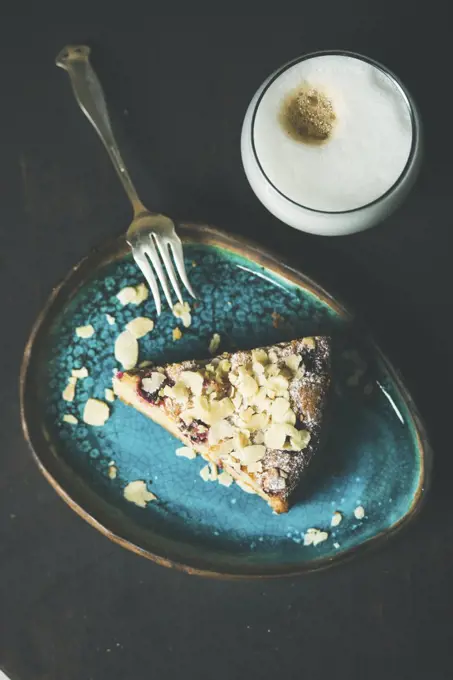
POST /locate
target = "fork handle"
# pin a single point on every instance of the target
(90, 97)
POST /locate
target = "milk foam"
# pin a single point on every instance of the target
(369, 147)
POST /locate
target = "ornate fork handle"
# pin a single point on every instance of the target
(90, 97)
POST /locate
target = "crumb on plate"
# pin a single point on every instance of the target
(136, 492)
(85, 331)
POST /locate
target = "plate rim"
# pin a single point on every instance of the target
(207, 235)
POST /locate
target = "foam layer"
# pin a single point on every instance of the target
(369, 147)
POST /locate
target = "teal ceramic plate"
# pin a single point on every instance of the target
(377, 456)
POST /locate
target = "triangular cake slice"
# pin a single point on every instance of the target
(256, 415)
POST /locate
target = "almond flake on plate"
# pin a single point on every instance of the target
(315, 537)
(112, 471)
(110, 319)
(142, 293)
(68, 418)
(127, 295)
(85, 331)
(182, 311)
(136, 492)
(69, 392)
(133, 295)
(177, 334)
(186, 452)
(140, 326)
(95, 412)
(336, 519)
(126, 350)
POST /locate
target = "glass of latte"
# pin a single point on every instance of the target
(331, 143)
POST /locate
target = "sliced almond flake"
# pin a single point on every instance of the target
(299, 441)
(261, 400)
(153, 382)
(182, 311)
(72, 380)
(176, 333)
(109, 394)
(272, 370)
(126, 350)
(290, 417)
(246, 414)
(205, 473)
(140, 326)
(95, 412)
(260, 356)
(141, 294)
(85, 331)
(251, 454)
(275, 436)
(315, 537)
(80, 372)
(255, 467)
(193, 380)
(127, 295)
(277, 383)
(224, 448)
(309, 343)
(248, 386)
(136, 492)
(110, 319)
(225, 479)
(214, 344)
(336, 519)
(178, 392)
(241, 439)
(293, 362)
(258, 437)
(279, 410)
(258, 369)
(69, 392)
(259, 421)
(68, 418)
(220, 410)
(237, 401)
(112, 471)
(219, 431)
(273, 356)
(186, 452)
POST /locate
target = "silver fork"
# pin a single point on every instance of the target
(147, 230)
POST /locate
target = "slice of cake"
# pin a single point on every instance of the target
(257, 415)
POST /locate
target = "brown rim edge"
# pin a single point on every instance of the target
(212, 236)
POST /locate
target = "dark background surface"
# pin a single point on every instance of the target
(73, 606)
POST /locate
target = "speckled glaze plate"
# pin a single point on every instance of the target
(376, 456)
